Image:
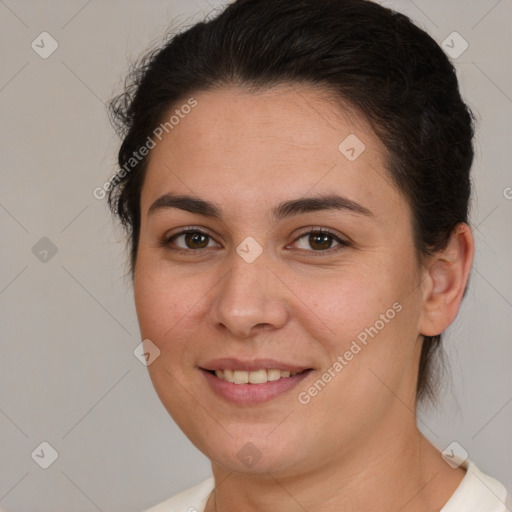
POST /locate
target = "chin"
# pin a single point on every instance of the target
(251, 454)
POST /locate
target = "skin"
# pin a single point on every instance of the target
(246, 152)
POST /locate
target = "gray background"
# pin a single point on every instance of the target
(68, 375)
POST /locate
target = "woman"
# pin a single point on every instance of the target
(295, 183)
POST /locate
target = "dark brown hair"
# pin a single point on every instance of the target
(373, 58)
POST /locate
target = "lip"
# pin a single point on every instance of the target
(253, 394)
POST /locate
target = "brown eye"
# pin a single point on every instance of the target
(196, 240)
(190, 240)
(320, 241)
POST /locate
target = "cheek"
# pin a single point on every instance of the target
(372, 315)
(376, 359)
(160, 300)
(171, 306)
(352, 299)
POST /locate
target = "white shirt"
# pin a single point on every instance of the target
(477, 492)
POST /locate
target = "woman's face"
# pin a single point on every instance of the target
(256, 287)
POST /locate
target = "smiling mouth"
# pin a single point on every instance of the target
(253, 377)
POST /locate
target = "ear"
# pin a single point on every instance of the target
(444, 283)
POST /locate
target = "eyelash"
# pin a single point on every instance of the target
(166, 242)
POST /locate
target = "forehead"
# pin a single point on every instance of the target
(283, 120)
(241, 146)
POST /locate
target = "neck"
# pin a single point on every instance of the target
(387, 472)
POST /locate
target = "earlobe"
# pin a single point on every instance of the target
(447, 276)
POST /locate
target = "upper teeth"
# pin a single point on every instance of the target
(254, 377)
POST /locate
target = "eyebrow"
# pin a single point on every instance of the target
(282, 210)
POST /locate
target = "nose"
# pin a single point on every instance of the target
(250, 299)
